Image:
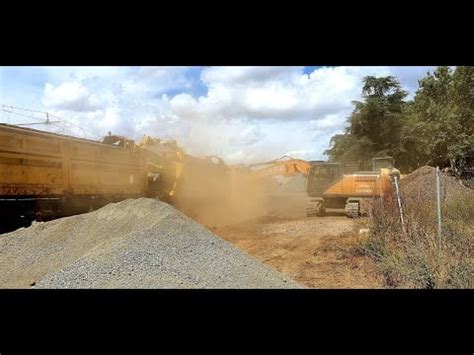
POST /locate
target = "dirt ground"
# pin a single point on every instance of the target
(313, 251)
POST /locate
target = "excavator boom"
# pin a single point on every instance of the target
(281, 167)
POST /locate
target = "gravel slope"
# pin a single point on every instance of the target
(421, 185)
(136, 243)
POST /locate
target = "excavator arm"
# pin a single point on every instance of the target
(281, 167)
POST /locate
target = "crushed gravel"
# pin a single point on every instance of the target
(421, 186)
(136, 243)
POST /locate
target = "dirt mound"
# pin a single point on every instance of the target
(136, 243)
(421, 185)
(418, 173)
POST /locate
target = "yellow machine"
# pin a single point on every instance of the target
(329, 187)
(335, 185)
(164, 166)
(45, 175)
(42, 164)
(286, 167)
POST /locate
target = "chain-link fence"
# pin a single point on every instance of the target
(434, 191)
(423, 237)
(463, 170)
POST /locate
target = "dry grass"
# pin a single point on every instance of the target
(416, 259)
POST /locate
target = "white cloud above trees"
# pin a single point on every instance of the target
(243, 114)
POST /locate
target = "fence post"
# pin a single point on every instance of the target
(400, 205)
(438, 204)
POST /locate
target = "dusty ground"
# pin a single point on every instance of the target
(313, 251)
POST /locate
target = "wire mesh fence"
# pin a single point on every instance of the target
(424, 236)
(463, 170)
(429, 191)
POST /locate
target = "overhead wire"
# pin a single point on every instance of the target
(10, 109)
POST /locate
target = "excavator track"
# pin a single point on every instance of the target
(353, 209)
(315, 208)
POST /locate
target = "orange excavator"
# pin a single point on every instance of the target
(284, 166)
(330, 185)
(335, 185)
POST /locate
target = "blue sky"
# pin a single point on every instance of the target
(243, 114)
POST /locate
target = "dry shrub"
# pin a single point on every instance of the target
(416, 259)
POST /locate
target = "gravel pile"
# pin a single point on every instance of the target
(136, 243)
(421, 186)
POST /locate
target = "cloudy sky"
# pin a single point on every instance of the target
(243, 114)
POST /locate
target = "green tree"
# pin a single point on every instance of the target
(375, 124)
(434, 128)
(463, 98)
(439, 124)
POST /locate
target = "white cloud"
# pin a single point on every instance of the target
(248, 113)
(305, 154)
(246, 75)
(247, 117)
(248, 135)
(287, 95)
(184, 105)
(328, 121)
(409, 77)
(152, 82)
(72, 96)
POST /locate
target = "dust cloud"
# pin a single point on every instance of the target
(215, 194)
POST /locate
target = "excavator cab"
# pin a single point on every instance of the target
(386, 165)
(322, 175)
(382, 163)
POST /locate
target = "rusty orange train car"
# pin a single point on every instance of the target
(44, 174)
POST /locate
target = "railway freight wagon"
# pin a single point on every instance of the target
(45, 175)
